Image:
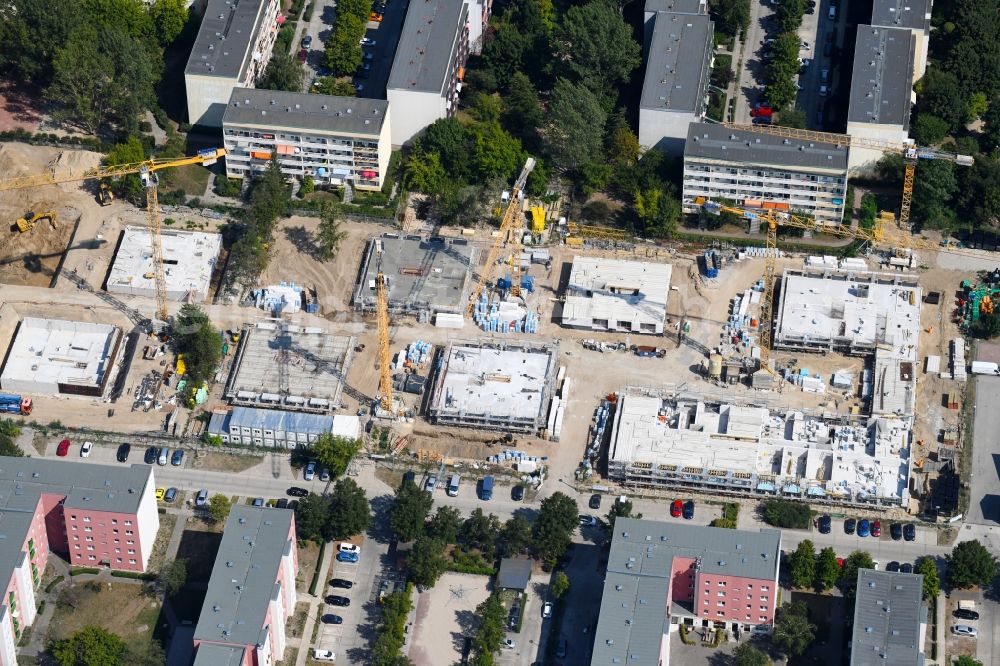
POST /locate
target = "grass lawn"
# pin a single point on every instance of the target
(297, 621)
(193, 179)
(159, 554)
(308, 560)
(122, 608)
(225, 462)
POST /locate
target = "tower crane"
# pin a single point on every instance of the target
(511, 224)
(911, 153)
(147, 173)
(382, 319)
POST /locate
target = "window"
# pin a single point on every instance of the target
(130, 542)
(88, 529)
(720, 613)
(86, 519)
(76, 538)
(129, 532)
(720, 604)
(764, 588)
(721, 583)
(763, 608)
(114, 521)
(762, 618)
(77, 546)
(90, 538)
(75, 528)
(92, 557)
(118, 550)
(90, 548)
(131, 561)
(73, 517)
(720, 594)
(131, 551)
(119, 561)
(127, 523)
(706, 602)
(706, 593)
(763, 598)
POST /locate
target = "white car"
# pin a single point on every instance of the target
(365, 41)
(509, 643)
(323, 655)
(85, 449)
(350, 548)
(547, 610)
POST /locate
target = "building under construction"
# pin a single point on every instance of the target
(424, 276)
(189, 258)
(284, 366)
(495, 385)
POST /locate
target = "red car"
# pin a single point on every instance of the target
(877, 528)
(676, 507)
(63, 448)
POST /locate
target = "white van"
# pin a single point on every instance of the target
(453, 485)
(833, 13)
(164, 455)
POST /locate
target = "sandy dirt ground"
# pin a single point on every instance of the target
(446, 613)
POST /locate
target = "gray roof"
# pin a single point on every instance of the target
(303, 111)
(676, 6)
(881, 84)
(632, 619)
(717, 142)
(914, 14)
(677, 66)
(222, 47)
(426, 45)
(86, 486)
(515, 573)
(253, 543)
(14, 526)
(271, 419)
(218, 655)
(888, 612)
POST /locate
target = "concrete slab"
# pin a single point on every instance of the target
(188, 261)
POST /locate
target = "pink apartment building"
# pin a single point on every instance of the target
(94, 515)
(662, 574)
(251, 592)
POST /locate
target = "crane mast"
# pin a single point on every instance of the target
(382, 319)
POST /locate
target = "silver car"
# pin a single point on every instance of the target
(964, 630)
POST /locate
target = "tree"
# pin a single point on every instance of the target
(515, 537)
(971, 564)
(966, 660)
(933, 188)
(445, 524)
(91, 646)
(480, 531)
(426, 561)
(148, 654)
(198, 341)
(334, 452)
(9, 432)
(731, 16)
(311, 516)
(849, 572)
(495, 153)
(988, 326)
(793, 117)
(491, 630)
(522, 111)
(827, 569)
(927, 567)
(786, 513)
(174, 577)
(425, 173)
(32, 34)
(169, 17)
(621, 145)
(484, 107)
(571, 136)
(594, 44)
(409, 511)
(620, 509)
(554, 527)
(942, 96)
(802, 564)
(349, 513)
(658, 210)
(327, 85)
(219, 507)
(991, 125)
(560, 584)
(130, 186)
(929, 129)
(329, 236)
(452, 141)
(342, 52)
(283, 73)
(792, 630)
(747, 655)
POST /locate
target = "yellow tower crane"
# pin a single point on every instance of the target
(147, 172)
(910, 151)
(512, 224)
(382, 319)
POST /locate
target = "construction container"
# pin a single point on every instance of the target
(715, 366)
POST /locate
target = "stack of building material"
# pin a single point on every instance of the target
(958, 359)
(853, 264)
(933, 365)
(449, 320)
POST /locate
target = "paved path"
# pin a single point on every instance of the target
(311, 616)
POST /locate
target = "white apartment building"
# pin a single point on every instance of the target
(764, 171)
(232, 50)
(429, 66)
(334, 140)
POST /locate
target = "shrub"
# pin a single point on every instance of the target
(786, 513)
(315, 579)
(724, 523)
(228, 187)
(55, 581)
(84, 570)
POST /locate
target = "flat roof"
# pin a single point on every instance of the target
(514, 574)
(620, 290)
(228, 30)
(243, 578)
(50, 352)
(116, 488)
(888, 613)
(14, 528)
(708, 141)
(676, 6)
(632, 623)
(189, 257)
(429, 38)
(914, 14)
(281, 364)
(882, 80)
(218, 655)
(305, 111)
(422, 273)
(677, 65)
(276, 419)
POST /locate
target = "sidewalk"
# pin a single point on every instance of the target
(324, 568)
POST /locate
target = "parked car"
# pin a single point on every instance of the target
(341, 583)
(431, 483)
(896, 531)
(676, 508)
(150, 457)
(561, 649)
(849, 526)
(369, 55)
(905, 567)
(86, 449)
(310, 472)
(547, 610)
(410, 477)
(330, 618)
(964, 630)
(324, 474)
(295, 491)
(825, 523)
(517, 493)
(63, 448)
(258, 501)
(123, 451)
(162, 456)
(336, 600)
(595, 501)
(365, 41)
(160, 492)
(375, 16)
(349, 548)
(303, 55)
(588, 521)
(202, 498)
(509, 643)
(688, 510)
(323, 655)
(307, 41)
(170, 495)
(864, 528)
(351, 558)
(966, 614)
(282, 503)
(877, 528)
(909, 532)
(177, 458)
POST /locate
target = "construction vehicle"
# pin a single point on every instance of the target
(911, 153)
(382, 319)
(147, 172)
(30, 219)
(512, 225)
(105, 196)
(11, 403)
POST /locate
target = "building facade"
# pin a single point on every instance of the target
(764, 171)
(269, 427)
(661, 575)
(890, 619)
(251, 592)
(333, 140)
(479, 19)
(96, 515)
(232, 49)
(428, 67)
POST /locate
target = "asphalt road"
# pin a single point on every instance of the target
(984, 503)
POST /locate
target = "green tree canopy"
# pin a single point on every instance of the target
(595, 45)
(971, 564)
(445, 524)
(169, 17)
(426, 561)
(522, 110)
(731, 16)
(311, 516)
(219, 507)
(933, 188)
(349, 513)
(620, 509)
(480, 531)
(495, 153)
(342, 53)
(491, 632)
(9, 432)
(927, 567)
(91, 646)
(557, 520)
(327, 85)
(746, 654)
(802, 564)
(560, 584)
(129, 186)
(409, 512)
(859, 559)
(335, 453)
(827, 569)
(966, 660)
(574, 133)
(786, 513)
(174, 577)
(792, 630)
(283, 73)
(515, 538)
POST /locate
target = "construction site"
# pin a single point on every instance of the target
(617, 295)
(189, 259)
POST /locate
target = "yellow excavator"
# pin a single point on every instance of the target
(30, 219)
(105, 196)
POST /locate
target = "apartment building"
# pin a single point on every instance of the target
(912, 15)
(661, 575)
(334, 140)
(479, 19)
(890, 620)
(881, 90)
(756, 170)
(232, 49)
(678, 63)
(429, 65)
(96, 515)
(251, 591)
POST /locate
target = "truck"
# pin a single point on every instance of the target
(487, 492)
(12, 403)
